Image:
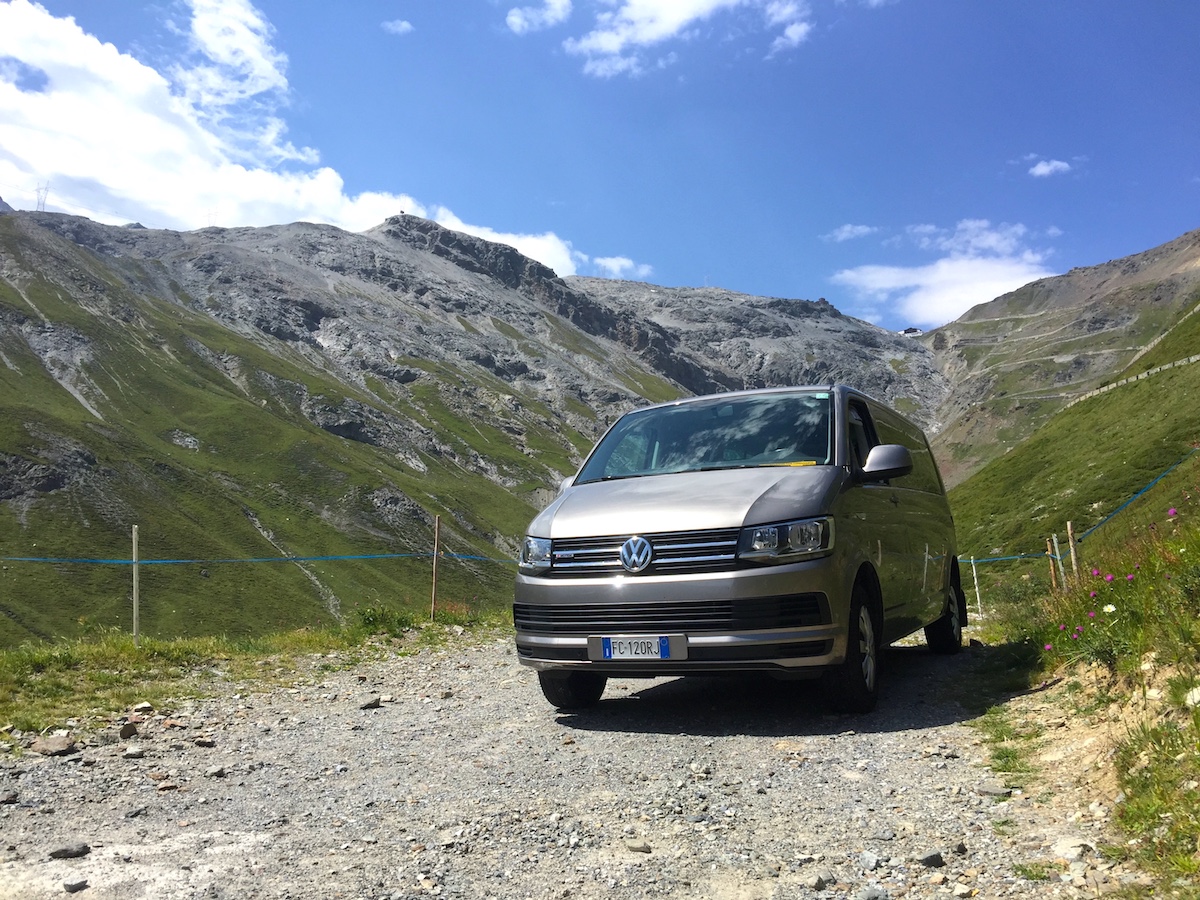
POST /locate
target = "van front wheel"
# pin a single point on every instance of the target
(573, 690)
(854, 685)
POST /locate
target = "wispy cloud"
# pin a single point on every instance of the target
(621, 267)
(202, 143)
(979, 262)
(849, 233)
(624, 32)
(397, 26)
(525, 19)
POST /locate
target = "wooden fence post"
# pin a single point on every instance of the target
(1050, 558)
(1072, 544)
(136, 635)
(437, 529)
(1062, 573)
(978, 596)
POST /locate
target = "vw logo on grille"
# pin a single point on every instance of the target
(635, 554)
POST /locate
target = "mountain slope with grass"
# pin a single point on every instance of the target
(1016, 361)
(313, 400)
(1081, 466)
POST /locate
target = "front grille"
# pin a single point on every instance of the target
(683, 551)
(690, 616)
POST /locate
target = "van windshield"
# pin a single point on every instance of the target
(778, 429)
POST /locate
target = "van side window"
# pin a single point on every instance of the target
(924, 476)
(861, 434)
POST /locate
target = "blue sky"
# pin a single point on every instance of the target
(905, 159)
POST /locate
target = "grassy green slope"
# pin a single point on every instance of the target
(1181, 342)
(1021, 359)
(1080, 466)
(261, 483)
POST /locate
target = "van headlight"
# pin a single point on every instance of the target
(787, 541)
(535, 555)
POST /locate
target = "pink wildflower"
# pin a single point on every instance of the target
(1129, 577)
(1092, 614)
(1172, 511)
(1108, 577)
(1049, 646)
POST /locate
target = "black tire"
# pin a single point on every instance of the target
(945, 635)
(572, 690)
(854, 685)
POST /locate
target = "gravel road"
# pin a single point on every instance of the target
(445, 773)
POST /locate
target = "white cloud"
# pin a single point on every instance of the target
(621, 267)
(849, 233)
(525, 19)
(970, 237)
(200, 145)
(1047, 167)
(235, 41)
(397, 26)
(614, 46)
(979, 263)
(793, 36)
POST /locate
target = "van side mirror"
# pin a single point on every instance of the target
(566, 483)
(887, 461)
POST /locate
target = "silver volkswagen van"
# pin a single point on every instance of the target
(795, 531)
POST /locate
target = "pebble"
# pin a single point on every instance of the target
(71, 851)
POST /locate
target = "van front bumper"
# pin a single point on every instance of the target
(789, 619)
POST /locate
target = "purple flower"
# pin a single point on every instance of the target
(1092, 614)
(1062, 627)
(1049, 646)
(1129, 577)
(1092, 594)
(1079, 628)
(1095, 571)
(1075, 636)
(1172, 511)
(1108, 577)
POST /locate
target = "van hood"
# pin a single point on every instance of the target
(689, 501)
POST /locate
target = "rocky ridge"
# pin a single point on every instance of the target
(412, 364)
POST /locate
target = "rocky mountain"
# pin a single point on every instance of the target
(300, 393)
(324, 400)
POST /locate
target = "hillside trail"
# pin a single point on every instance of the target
(442, 772)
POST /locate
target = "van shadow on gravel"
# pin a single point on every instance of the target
(919, 690)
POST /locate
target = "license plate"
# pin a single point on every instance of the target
(636, 647)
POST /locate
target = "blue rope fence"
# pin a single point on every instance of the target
(1103, 521)
(259, 559)
(427, 555)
